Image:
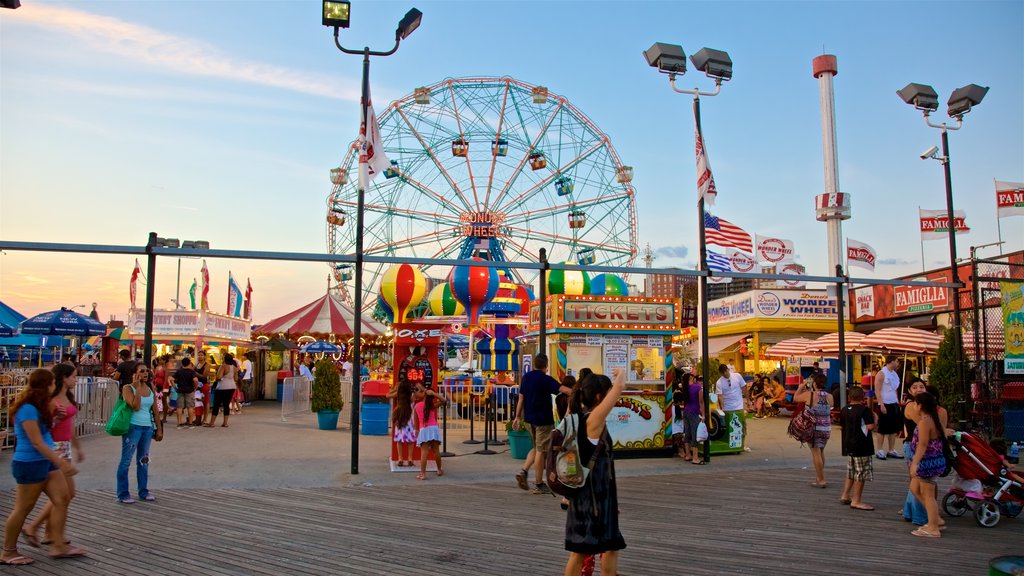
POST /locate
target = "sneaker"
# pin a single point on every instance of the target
(148, 498)
(180, 426)
(128, 500)
(541, 489)
(895, 454)
(521, 480)
(880, 455)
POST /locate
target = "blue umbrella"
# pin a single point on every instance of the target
(6, 330)
(63, 322)
(321, 347)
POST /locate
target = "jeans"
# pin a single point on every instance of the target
(913, 510)
(136, 442)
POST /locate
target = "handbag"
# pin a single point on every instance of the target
(702, 431)
(120, 419)
(801, 426)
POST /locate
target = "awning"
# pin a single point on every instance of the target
(926, 322)
(719, 344)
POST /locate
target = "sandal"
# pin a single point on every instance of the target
(18, 560)
(862, 506)
(925, 534)
(847, 501)
(698, 462)
(30, 538)
(421, 476)
(69, 552)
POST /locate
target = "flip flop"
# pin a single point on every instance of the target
(846, 501)
(421, 476)
(30, 538)
(816, 485)
(865, 507)
(16, 561)
(925, 534)
(698, 462)
(70, 552)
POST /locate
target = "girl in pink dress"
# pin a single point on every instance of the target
(428, 436)
(63, 408)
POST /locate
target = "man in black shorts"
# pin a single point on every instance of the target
(185, 380)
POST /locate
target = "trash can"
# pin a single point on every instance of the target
(373, 417)
(281, 375)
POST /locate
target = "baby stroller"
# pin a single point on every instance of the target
(1001, 494)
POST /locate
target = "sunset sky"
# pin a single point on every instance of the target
(219, 121)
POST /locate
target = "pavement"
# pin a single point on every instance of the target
(259, 450)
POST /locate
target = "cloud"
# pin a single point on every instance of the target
(672, 251)
(894, 262)
(178, 54)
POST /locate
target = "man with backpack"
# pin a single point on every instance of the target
(534, 407)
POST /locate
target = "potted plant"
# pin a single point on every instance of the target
(326, 398)
(519, 440)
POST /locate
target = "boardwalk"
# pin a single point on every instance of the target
(748, 514)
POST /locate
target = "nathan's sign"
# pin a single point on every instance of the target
(911, 299)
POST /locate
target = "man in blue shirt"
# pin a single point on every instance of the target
(534, 407)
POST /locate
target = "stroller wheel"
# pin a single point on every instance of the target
(955, 504)
(987, 514)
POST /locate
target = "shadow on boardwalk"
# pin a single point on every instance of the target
(226, 507)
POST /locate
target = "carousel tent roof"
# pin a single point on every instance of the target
(326, 315)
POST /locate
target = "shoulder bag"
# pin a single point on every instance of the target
(121, 418)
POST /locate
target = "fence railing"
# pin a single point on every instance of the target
(95, 397)
(295, 394)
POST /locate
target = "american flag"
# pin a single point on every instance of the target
(724, 233)
(719, 262)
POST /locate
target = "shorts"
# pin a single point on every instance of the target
(859, 468)
(541, 435)
(187, 400)
(892, 421)
(820, 438)
(692, 422)
(64, 449)
(31, 472)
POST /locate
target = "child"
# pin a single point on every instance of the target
(679, 425)
(401, 416)
(428, 437)
(858, 422)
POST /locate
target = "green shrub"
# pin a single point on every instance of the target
(326, 387)
(943, 374)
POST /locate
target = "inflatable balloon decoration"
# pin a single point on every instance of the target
(608, 285)
(524, 294)
(443, 302)
(402, 287)
(389, 314)
(568, 282)
(474, 286)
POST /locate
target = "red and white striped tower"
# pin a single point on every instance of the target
(832, 207)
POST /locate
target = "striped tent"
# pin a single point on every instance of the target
(829, 344)
(787, 348)
(328, 314)
(909, 340)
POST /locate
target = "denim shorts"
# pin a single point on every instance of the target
(31, 472)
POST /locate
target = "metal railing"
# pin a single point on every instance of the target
(295, 394)
(95, 397)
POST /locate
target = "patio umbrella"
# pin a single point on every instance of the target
(906, 340)
(829, 343)
(63, 322)
(7, 330)
(787, 348)
(321, 347)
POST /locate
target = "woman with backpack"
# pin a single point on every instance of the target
(819, 404)
(592, 524)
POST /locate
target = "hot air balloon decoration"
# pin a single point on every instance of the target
(402, 287)
(443, 302)
(608, 285)
(569, 282)
(474, 286)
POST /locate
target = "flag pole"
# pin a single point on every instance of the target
(999, 223)
(702, 291)
(920, 237)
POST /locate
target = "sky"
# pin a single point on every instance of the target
(219, 121)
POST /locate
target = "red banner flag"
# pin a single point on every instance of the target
(134, 280)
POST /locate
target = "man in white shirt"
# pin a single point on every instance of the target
(346, 368)
(247, 389)
(730, 399)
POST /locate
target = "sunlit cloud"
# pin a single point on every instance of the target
(179, 54)
(671, 251)
(894, 262)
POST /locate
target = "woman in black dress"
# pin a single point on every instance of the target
(592, 524)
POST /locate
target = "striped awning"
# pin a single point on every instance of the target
(829, 344)
(909, 340)
(325, 315)
(787, 348)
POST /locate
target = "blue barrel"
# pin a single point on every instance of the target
(376, 409)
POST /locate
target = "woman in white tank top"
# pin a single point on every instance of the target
(225, 389)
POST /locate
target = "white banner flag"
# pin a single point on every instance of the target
(372, 147)
(1009, 199)
(740, 261)
(705, 181)
(860, 254)
(773, 250)
(792, 269)
(935, 223)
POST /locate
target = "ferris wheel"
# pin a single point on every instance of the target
(486, 167)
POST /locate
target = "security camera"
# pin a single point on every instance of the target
(930, 153)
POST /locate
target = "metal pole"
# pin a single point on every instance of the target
(702, 296)
(954, 269)
(147, 352)
(542, 340)
(177, 288)
(840, 305)
(357, 362)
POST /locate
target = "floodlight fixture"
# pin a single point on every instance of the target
(920, 96)
(12, 4)
(408, 24)
(336, 13)
(667, 58)
(714, 63)
(963, 99)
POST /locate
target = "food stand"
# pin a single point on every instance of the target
(606, 332)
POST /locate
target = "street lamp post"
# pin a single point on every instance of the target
(336, 15)
(925, 99)
(716, 64)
